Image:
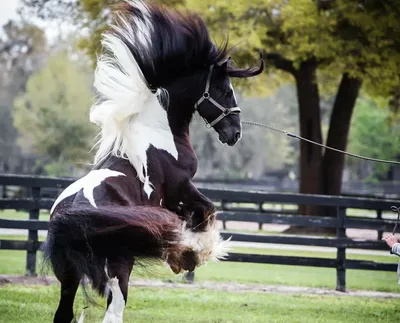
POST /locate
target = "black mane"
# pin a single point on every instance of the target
(180, 43)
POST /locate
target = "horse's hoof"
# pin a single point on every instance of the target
(190, 260)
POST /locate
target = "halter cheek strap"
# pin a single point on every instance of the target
(206, 96)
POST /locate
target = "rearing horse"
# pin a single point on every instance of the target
(158, 67)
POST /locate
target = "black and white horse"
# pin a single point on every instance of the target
(158, 67)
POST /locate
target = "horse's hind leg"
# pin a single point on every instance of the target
(119, 270)
(69, 285)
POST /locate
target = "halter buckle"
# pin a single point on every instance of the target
(206, 95)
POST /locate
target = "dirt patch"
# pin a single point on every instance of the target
(218, 286)
(235, 287)
(25, 280)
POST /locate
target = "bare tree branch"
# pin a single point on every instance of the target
(281, 62)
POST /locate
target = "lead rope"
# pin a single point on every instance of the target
(321, 145)
(292, 135)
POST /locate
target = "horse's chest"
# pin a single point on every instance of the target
(187, 165)
(162, 162)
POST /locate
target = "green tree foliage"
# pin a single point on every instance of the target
(358, 37)
(52, 115)
(22, 47)
(91, 15)
(326, 47)
(373, 134)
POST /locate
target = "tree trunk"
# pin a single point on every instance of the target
(322, 173)
(339, 126)
(310, 128)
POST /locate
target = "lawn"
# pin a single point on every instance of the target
(31, 304)
(44, 215)
(21, 215)
(13, 262)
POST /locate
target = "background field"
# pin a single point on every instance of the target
(29, 303)
(37, 303)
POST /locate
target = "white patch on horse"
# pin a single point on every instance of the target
(129, 114)
(88, 183)
(236, 103)
(116, 308)
(233, 92)
(82, 317)
(148, 187)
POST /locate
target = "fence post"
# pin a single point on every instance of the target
(33, 234)
(341, 252)
(4, 193)
(260, 209)
(223, 208)
(379, 217)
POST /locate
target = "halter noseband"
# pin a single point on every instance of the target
(206, 96)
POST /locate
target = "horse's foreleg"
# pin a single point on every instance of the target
(200, 236)
(202, 208)
(119, 270)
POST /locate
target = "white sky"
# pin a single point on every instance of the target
(8, 10)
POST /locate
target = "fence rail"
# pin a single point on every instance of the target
(228, 202)
(387, 189)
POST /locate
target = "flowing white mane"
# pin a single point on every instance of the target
(130, 116)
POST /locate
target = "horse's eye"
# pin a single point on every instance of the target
(229, 93)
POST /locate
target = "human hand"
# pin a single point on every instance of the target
(390, 240)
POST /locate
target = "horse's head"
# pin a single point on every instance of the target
(152, 49)
(218, 105)
(209, 91)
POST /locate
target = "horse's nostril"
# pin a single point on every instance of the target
(237, 135)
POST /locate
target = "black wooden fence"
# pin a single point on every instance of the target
(235, 205)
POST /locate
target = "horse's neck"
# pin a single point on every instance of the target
(150, 129)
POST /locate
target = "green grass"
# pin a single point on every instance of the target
(13, 262)
(31, 304)
(44, 215)
(18, 237)
(22, 215)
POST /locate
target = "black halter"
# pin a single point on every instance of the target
(206, 96)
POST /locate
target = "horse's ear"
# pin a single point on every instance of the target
(225, 64)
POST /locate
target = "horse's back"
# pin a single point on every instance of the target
(114, 184)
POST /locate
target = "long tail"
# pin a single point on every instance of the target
(82, 239)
